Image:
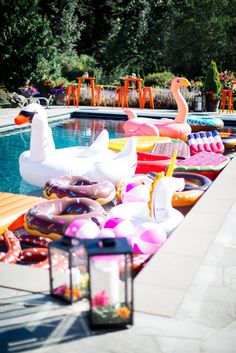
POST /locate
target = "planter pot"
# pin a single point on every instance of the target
(60, 99)
(212, 105)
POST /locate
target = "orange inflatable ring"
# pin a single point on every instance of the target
(229, 140)
(51, 218)
(195, 186)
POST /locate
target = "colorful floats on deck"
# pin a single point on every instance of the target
(177, 128)
(43, 161)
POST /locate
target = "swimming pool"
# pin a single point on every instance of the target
(66, 133)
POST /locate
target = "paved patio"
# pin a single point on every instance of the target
(185, 298)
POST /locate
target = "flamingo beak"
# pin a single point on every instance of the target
(185, 82)
(21, 119)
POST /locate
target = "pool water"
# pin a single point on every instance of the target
(66, 133)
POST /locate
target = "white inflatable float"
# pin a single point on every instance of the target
(43, 161)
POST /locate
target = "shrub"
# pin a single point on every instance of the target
(159, 79)
(4, 95)
(212, 84)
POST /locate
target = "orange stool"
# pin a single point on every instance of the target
(147, 91)
(226, 100)
(119, 94)
(92, 86)
(100, 95)
(71, 93)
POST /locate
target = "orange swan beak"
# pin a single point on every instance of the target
(21, 119)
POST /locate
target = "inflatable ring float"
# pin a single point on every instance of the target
(73, 186)
(195, 186)
(229, 140)
(51, 218)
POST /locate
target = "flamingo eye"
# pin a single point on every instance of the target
(178, 81)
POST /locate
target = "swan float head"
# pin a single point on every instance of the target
(42, 145)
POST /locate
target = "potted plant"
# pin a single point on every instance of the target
(212, 87)
(58, 92)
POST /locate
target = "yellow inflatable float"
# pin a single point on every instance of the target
(144, 143)
(12, 206)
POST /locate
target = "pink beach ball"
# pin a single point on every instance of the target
(148, 238)
(135, 192)
(83, 228)
(120, 226)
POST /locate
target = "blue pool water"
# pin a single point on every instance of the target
(66, 133)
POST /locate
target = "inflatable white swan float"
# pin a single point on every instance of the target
(43, 161)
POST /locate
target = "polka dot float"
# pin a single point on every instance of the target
(83, 228)
(148, 238)
(120, 226)
(135, 192)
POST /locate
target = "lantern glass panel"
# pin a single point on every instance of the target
(68, 272)
(111, 289)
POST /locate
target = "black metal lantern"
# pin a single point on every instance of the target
(198, 103)
(110, 264)
(68, 269)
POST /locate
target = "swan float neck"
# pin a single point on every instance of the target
(42, 146)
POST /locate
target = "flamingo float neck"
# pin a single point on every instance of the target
(182, 112)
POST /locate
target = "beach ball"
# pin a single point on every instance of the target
(120, 226)
(148, 238)
(83, 228)
(135, 192)
(106, 233)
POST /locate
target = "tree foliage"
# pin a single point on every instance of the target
(42, 37)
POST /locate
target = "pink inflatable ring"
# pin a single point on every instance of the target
(74, 186)
(52, 217)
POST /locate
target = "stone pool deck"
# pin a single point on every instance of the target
(185, 298)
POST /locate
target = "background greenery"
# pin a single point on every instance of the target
(61, 39)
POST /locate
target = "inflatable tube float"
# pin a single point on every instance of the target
(177, 128)
(51, 218)
(73, 186)
(229, 140)
(43, 161)
(13, 248)
(13, 206)
(204, 123)
(195, 186)
(144, 143)
(209, 141)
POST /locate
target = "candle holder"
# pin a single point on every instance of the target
(68, 269)
(110, 267)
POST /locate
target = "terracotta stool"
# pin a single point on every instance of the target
(226, 100)
(91, 81)
(147, 91)
(100, 95)
(71, 94)
(119, 93)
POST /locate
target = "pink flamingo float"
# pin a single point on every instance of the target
(177, 128)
